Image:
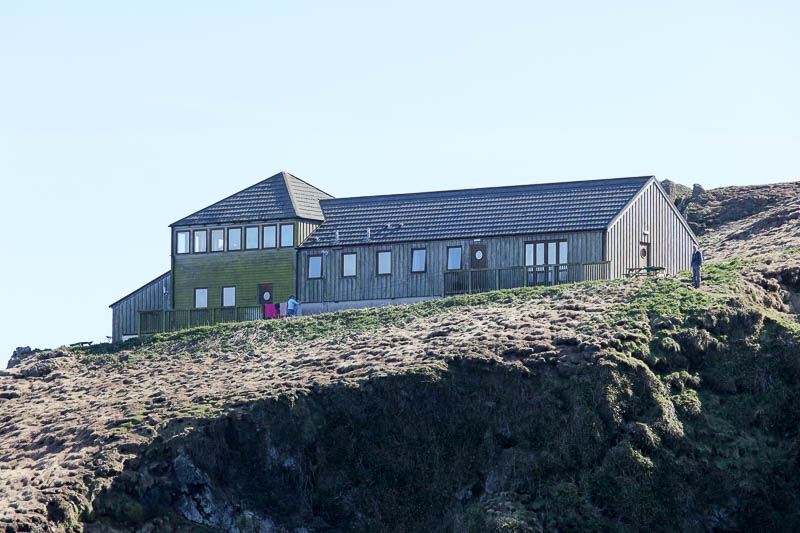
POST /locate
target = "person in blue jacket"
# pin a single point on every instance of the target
(697, 262)
(291, 308)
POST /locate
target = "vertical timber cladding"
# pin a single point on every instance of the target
(650, 218)
(151, 297)
(243, 269)
(583, 247)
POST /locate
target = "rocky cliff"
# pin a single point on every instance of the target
(621, 406)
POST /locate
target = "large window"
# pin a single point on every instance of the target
(546, 253)
(201, 298)
(182, 242)
(200, 237)
(349, 265)
(314, 266)
(235, 239)
(269, 234)
(287, 235)
(418, 260)
(218, 240)
(228, 296)
(453, 258)
(384, 263)
(251, 237)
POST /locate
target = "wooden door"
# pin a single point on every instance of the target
(644, 255)
(265, 293)
(477, 256)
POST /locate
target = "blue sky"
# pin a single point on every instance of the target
(116, 120)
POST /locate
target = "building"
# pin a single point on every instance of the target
(230, 259)
(284, 236)
(404, 248)
(153, 296)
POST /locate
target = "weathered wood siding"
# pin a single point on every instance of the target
(402, 283)
(244, 270)
(151, 297)
(670, 239)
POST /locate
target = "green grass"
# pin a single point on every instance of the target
(246, 336)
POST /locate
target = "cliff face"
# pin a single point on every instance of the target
(623, 406)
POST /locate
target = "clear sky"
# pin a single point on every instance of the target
(117, 119)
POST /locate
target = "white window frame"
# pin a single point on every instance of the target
(196, 292)
(224, 295)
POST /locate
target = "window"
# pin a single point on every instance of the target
(314, 266)
(201, 298)
(200, 237)
(453, 258)
(529, 260)
(546, 253)
(228, 296)
(270, 239)
(287, 235)
(251, 238)
(384, 263)
(217, 240)
(235, 239)
(182, 242)
(349, 265)
(418, 260)
(552, 259)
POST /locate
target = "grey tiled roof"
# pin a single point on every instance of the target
(514, 210)
(279, 196)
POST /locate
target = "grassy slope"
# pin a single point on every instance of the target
(689, 422)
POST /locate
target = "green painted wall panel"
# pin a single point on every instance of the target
(244, 270)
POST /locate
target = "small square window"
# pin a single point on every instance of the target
(384, 263)
(418, 260)
(269, 240)
(454, 258)
(200, 238)
(349, 265)
(287, 235)
(314, 266)
(228, 296)
(182, 242)
(217, 240)
(251, 238)
(235, 239)
(201, 298)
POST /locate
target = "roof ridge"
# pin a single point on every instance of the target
(290, 191)
(301, 180)
(509, 188)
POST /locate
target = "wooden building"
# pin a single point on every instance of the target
(409, 247)
(284, 236)
(153, 296)
(242, 250)
(228, 259)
